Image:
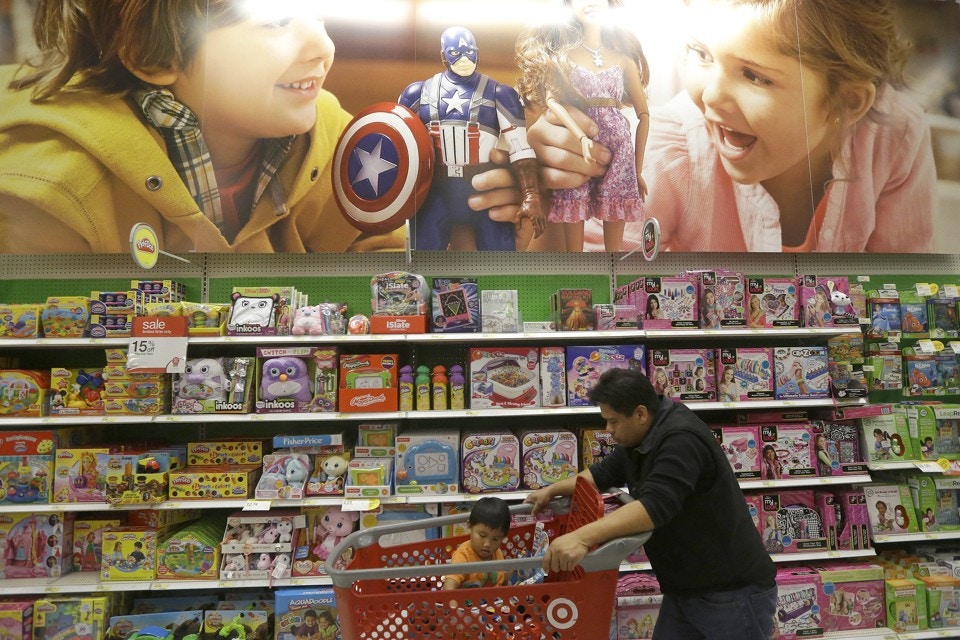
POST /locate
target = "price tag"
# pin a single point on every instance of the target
(256, 505)
(926, 347)
(280, 566)
(158, 345)
(951, 291)
(955, 346)
(925, 289)
(360, 504)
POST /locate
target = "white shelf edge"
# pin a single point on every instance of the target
(804, 482)
(90, 582)
(823, 555)
(923, 536)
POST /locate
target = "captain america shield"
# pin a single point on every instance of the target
(382, 167)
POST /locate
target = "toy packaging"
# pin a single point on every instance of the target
(845, 360)
(884, 308)
(135, 478)
(26, 466)
(547, 456)
(56, 618)
(499, 311)
(290, 377)
(914, 322)
(192, 551)
(16, 619)
(214, 385)
(684, 374)
(20, 320)
(427, 462)
(772, 302)
(740, 443)
(226, 452)
(632, 294)
(937, 430)
(36, 545)
(77, 477)
(306, 612)
(890, 507)
(76, 392)
(399, 513)
(845, 519)
(883, 367)
(129, 553)
(723, 299)
(179, 623)
(572, 309)
(637, 616)
(942, 313)
(368, 382)
(943, 600)
(65, 317)
(262, 311)
(825, 302)
(801, 373)
(399, 293)
(887, 438)
(88, 542)
(506, 377)
(376, 440)
(490, 462)
(209, 482)
(788, 520)
(322, 319)
(24, 393)
(284, 476)
(455, 305)
(595, 445)
(906, 600)
(799, 611)
(744, 373)
(837, 448)
(587, 363)
(921, 374)
(260, 546)
(670, 303)
(236, 624)
(615, 317)
(325, 528)
(553, 376)
(205, 319)
(786, 451)
(369, 478)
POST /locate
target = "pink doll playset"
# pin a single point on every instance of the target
(670, 303)
(490, 462)
(744, 374)
(36, 545)
(786, 451)
(740, 443)
(801, 373)
(788, 521)
(688, 375)
(772, 302)
(799, 610)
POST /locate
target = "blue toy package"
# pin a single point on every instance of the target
(306, 612)
(454, 305)
(942, 314)
(585, 364)
(884, 308)
(921, 374)
(913, 315)
(801, 373)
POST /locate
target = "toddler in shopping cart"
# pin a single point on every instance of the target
(488, 525)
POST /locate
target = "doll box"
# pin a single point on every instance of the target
(77, 477)
(744, 373)
(214, 385)
(129, 553)
(799, 609)
(252, 533)
(890, 507)
(688, 375)
(553, 376)
(506, 377)
(547, 456)
(226, 452)
(16, 620)
(427, 463)
(585, 365)
(213, 482)
(328, 473)
(740, 444)
(37, 545)
(793, 446)
(772, 302)
(284, 476)
(24, 393)
(490, 462)
(637, 619)
(295, 607)
(20, 320)
(88, 542)
(56, 618)
(670, 303)
(801, 373)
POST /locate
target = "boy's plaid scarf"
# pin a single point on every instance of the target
(180, 129)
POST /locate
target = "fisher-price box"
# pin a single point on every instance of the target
(851, 596)
(799, 610)
(688, 375)
(369, 478)
(792, 445)
(26, 466)
(16, 620)
(670, 303)
(744, 373)
(376, 440)
(24, 393)
(802, 373)
(740, 444)
(490, 462)
(585, 365)
(507, 377)
(427, 462)
(772, 302)
(36, 545)
(305, 612)
(547, 456)
(368, 382)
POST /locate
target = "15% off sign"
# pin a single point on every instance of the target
(157, 345)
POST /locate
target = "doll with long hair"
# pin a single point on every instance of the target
(587, 61)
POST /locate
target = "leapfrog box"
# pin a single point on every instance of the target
(490, 461)
(585, 365)
(937, 429)
(887, 438)
(547, 456)
(937, 499)
(943, 600)
(26, 466)
(891, 508)
(688, 375)
(906, 600)
(129, 553)
(506, 377)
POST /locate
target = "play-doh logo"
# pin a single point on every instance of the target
(145, 245)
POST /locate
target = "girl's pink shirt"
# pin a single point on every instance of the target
(883, 198)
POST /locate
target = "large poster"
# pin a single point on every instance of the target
(740, 125)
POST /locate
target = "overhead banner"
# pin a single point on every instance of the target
(777, 126)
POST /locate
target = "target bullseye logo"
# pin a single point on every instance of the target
(562, 613)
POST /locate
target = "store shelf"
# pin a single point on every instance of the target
(865, 634)
(804, 482)
(792, 332)
(89, 582)
(823, 555)
(924, 536)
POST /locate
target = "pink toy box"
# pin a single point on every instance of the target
(88, 542)
(851, 596)
(16, 620)
(802, 373)
(585, 365)
(837, 448)
(670, 303)
(744, 373)
(507, 377)
(788, 521)
(722, 299)
(740, 443)
(637, 616)
(845, 518)
(36, 545)
(490, 462)
(825, 302)
(548, 456)
(799, 610)
(786, 451)
(772, 302)
(688, 375)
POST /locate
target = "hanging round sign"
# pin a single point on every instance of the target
(650, 239)
(144, 245)
(382, 167)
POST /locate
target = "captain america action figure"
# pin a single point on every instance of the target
(466, 113)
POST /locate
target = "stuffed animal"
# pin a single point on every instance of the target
(334, 526)
(270, 535)
(264, 562)
(334, 469)
(286, 377)
(308, 321)
(296, 471)
(284, 531)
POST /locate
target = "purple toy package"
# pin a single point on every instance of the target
(585, 365)
(684, 374)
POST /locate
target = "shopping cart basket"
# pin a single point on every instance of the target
(394, 592)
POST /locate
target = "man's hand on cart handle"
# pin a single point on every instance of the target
(564, 553)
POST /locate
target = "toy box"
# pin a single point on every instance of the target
(369, 478)
(214, 385)
(936, 498)
(65, 317)
(20, 320)
(236, 624)
(937, 430)
(921, 374)
(942, 313)
(368, 383)
(788, 520)
(71, 617)
(887, 438)
(204, 319)
(615, 317)
(722, 299)
(740, 443)
(851, 596)
(825, 302)
(883, 368)
(499, 311)
(884, 306)
(179, 624)
(455, 305)
(943, 601)
(906, 600)
(670, 303)
(161, 518)
(135, 478)
(24, 393)
(801, 373)
(890, 507)
(16, 620)
(744, 373)
(76, 476)
(836, 447)
(227, 452)
(914, 322)
(328, 473)
(772, 302)
(26, 466)
(376, 440)
(572, 309)
(210, 482)
(36, 545)
(427, 462)
(490, 461)
(845, 519)
(399, 513)
(262, 311)
(88, 542)
(595, 445)
(192, 551)
(799, 611)
(688, 375)
(547, 456)
(399, 293)
(274, 531)
(76, 392)
(585, 365)
(129, 553)
(637, 616)
(786, 451)
(325, 527)
(284, 476)
(291, 377)
(845, 359)
(553, 376)
(506, 377)
(305, 612)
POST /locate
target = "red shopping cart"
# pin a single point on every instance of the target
(394, 592)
